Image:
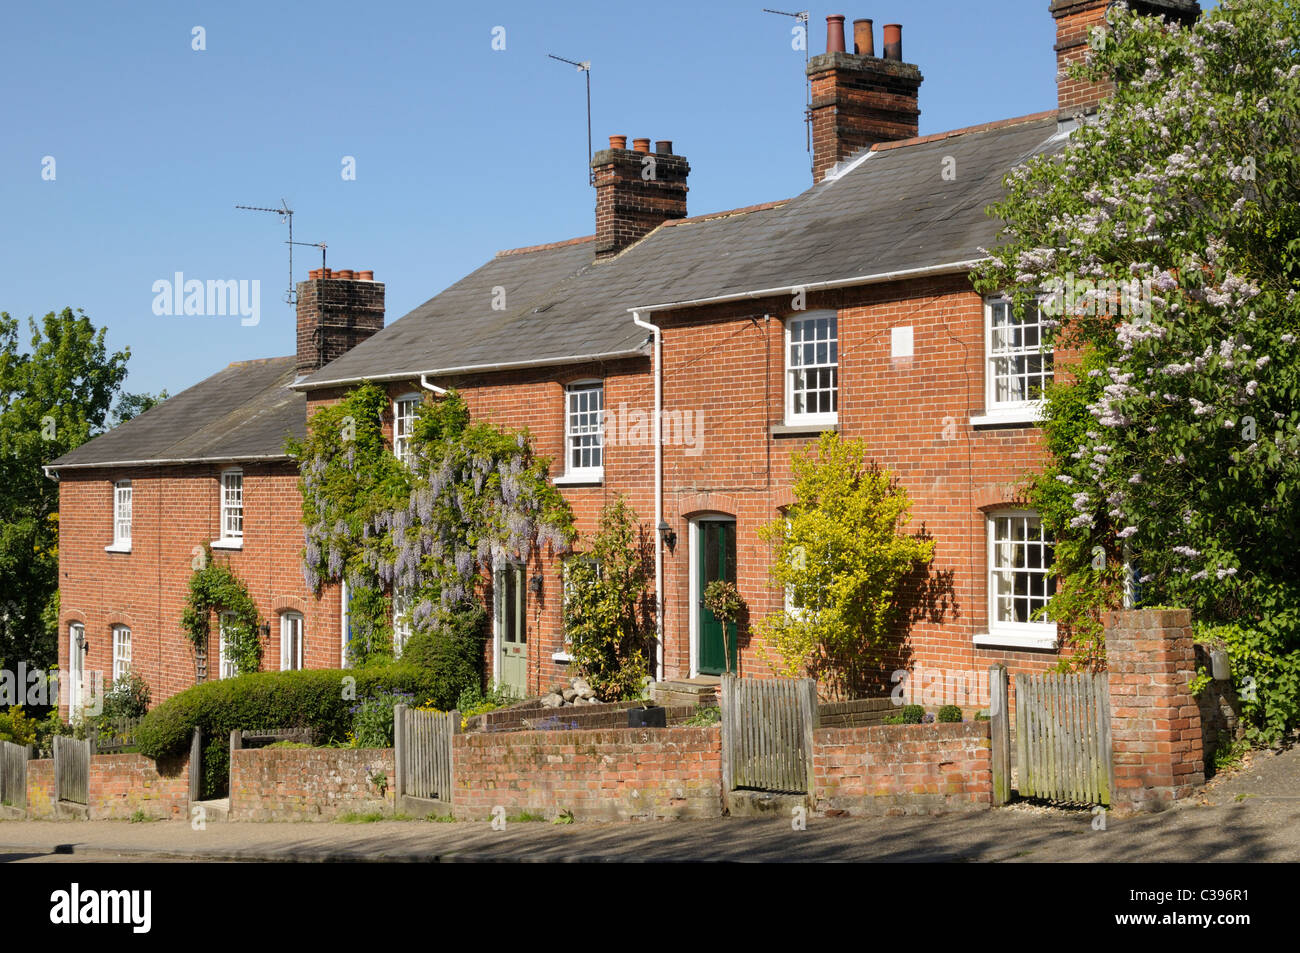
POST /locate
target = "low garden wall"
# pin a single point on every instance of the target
(283, 784)
(857, 713)
(613, 774)
(122, 785)
(903, 769)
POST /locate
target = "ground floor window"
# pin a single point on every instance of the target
(1020, 586)
(228, 668)
(121, 651)
(291, 641)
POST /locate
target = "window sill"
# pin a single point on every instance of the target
(1017, 640)
(592, 478)
(227, 544)
(561, 657)
(1009, 417)
(801, 428)
(118, 548)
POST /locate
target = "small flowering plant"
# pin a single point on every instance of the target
(1175, 442)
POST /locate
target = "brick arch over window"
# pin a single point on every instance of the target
(75, 616)
(121, 618)
(998, 496)
(783, 498)
(697, 503)
(280, 604)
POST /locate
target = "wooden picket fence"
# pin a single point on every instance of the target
(72, 769)
(422, 752)
(13, 774)
(767, 727)
(1063, 740)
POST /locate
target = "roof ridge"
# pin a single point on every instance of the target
(726, 213)
(545, 247)
(965, 130)
(258, 360)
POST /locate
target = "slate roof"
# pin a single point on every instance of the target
(241, 413)
(889, 211)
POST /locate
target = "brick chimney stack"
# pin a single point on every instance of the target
(858, 98)
(337, 310)
(1075, 21)
(636, 191)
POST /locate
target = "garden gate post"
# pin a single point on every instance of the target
(1000, 733)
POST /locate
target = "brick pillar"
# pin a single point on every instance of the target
(1155, 720)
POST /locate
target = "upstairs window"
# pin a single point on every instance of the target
(584, 430)
(1018, 366)
(122, 514)
(812, 369)
(403, 425)
(232, 505)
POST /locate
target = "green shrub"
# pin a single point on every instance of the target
(453, 654)
(372, 719)
(127, 697)
(16, 726)
(319, 699)
(704, 716)
(896, 719)
(949, 713)
(913, 714)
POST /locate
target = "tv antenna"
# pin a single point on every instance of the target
(286, 215)
(583, 67)
(802, 17)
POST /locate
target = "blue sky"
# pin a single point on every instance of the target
(460, 149)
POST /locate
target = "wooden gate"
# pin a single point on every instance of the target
(13, 774)
(72, 770)
(422, 752)
(1063, 750)
(767, 728)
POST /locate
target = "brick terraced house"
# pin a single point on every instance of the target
(848, 307)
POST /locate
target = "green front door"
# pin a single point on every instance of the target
(512, 660)
(717, 560)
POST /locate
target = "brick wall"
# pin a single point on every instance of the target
(1155, 720)
(858, 101)
(40, 788)
(903, 769)
(627, 774)
(175, 512)
(279, 784)
(122, 784)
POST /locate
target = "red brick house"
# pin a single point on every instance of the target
(747, 333)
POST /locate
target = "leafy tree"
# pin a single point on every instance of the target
(1166, 241)
(54, 397)
(607, 613)
(130, 406)
(842, 556)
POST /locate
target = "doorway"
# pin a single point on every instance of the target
(713, 556)
(511, 633)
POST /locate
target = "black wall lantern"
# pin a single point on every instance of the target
(668, 535)
(266, 630)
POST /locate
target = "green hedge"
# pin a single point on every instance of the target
(311, 698)
(453, 655)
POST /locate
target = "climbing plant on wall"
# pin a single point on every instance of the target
(216, 588)
(467, 494)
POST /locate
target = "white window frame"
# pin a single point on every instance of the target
(345, 620)
(1011, 411)
(402, 629)
(121, 651)
(793, 417)
(292, 643)
(230, 509)
(123, 500)
(76, 668)
(404, 408)
(791, 610)
(565, 654)
(590, 473)
(225, 664)
(1010, 633)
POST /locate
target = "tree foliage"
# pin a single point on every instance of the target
(54, 396)
(607, 613)
(841, 554)
(1166, 238)
(470, 495)
(216, 589)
